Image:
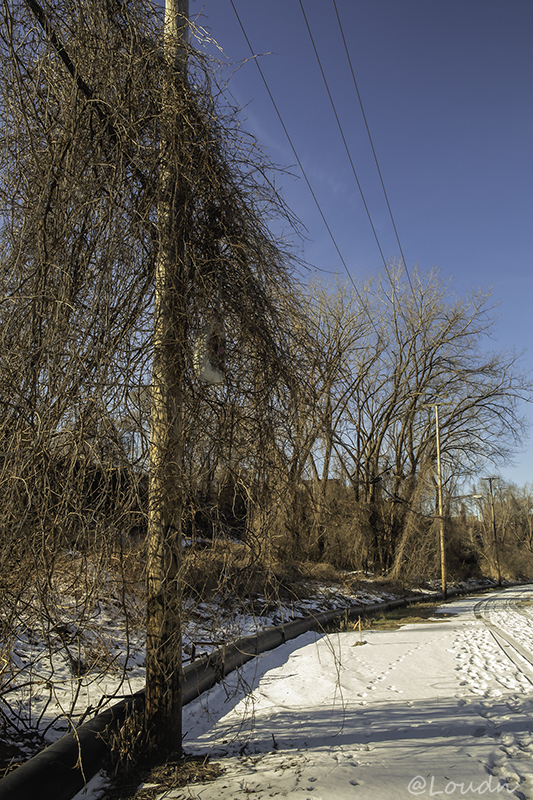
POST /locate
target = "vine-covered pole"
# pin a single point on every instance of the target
(163, 636)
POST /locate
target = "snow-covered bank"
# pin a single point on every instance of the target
(433, 709)
(53, 676)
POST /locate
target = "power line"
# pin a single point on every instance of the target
(348, 149)
(365, 204)
(293, 148)
(289, 138)
(372, 143)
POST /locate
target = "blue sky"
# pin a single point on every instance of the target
(447, 87)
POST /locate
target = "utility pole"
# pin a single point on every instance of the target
(493, 517)
(441, 510)
(439, 500)
(163, 710)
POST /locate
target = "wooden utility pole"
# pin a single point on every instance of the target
(493, 518)
(166, 491)
(439, 501)
(441, 509)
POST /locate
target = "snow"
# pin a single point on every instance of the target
(430, 710)
(434, 709)
(40, 685)
(42, 688)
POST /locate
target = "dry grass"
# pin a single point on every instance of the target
(231, 568)
(396, 618)
(145, 783)
(135, 773)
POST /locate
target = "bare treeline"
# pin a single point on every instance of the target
(388, 350)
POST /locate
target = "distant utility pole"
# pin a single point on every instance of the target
(440, 504)
(493, 517)
(166, 500)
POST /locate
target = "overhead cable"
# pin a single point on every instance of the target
(371, 143)
(365, 204)
(293, 148)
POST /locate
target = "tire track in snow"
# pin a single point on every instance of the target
(511, 627)
(502, 678)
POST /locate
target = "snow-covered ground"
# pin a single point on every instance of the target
(78, 658)
(442, 708)
(434, 709)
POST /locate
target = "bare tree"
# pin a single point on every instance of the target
(505, 527)
(83, 110)
(407, 345)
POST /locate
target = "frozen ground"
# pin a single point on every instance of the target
(437, 709)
